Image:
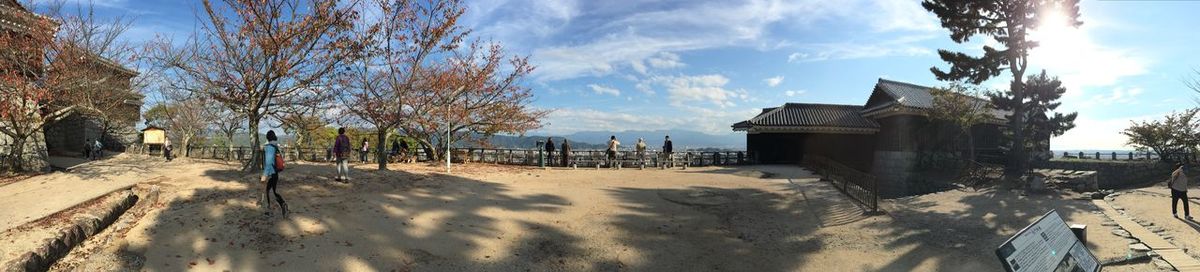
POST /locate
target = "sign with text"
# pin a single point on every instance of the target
(1047, 245)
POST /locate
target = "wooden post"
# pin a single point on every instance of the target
(1114, 155)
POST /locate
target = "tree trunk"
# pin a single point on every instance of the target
(187, 152)
(970, 145)
(255, 162)
(1016, 152)
(380, 156)
(16, 155)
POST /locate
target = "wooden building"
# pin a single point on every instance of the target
(886, 136)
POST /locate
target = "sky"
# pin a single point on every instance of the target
(704, 65)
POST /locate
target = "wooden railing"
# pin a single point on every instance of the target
(858, 185)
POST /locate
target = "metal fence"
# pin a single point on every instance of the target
(858, 185)
(508, 156)
(1129, 156)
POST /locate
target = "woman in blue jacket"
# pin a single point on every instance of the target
(270, 174)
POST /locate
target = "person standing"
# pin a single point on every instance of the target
(668, 148)
(641, 150)
(395, 150)
(613, 145)
(1179, 186)
(341, 152)
(362, 152)
(403, 151)
(98, 149)
(550, 151)
(566, 152)
(166, 147)
(87, 149)
(270, 174)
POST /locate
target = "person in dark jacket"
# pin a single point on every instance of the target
(667, 150)
(341, 151)
(566, 152)
(403, 151)
(395, 149)
(550, 151)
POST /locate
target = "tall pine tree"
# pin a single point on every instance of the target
(1042, 93)
(1008, 22)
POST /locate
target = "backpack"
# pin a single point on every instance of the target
(279, 164)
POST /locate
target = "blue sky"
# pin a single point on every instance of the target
(703, 65)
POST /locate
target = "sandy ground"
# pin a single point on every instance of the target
(1153, 204)
(61, 190)
(495, 218)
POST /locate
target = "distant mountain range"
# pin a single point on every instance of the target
(682, 139)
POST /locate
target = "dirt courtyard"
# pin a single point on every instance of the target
(500, 218)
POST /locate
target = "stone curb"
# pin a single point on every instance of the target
(82, 227)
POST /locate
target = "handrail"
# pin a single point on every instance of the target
(858, 185)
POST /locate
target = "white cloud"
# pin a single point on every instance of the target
(1117, 96)
(566, 121)
(602, 90)
(1081, 63)
(1092, 133)
(704, 88)
(628, 33)
(793, 93)
(773, 81)
(903, 46)
(665, 60)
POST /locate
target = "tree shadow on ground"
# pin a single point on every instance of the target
(755, 230)
(965, 237)
(382, 220)
(763, 171)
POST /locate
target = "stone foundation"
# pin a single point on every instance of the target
(892, 170)
(35, 157)
(1116, 174)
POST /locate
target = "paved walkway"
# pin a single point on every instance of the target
(37, 197)
(1169, 252)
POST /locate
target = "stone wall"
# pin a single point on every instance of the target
(35, 157)
(892, 170)
(1116, 174)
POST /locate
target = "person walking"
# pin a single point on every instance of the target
(362, 155)
(1179, 186)
(270, 175)
(566, 152)
(667, 149)
(341, 152)
(613, 145)
(550, 151)
(641, 150)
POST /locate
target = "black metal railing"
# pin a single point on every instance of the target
(508, 156)
(858, 185)
(1131, 156)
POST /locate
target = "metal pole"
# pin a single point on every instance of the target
(447, 138)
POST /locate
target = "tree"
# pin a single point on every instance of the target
(183, 117)
(1177, 133)
(45, 76)
(250, 54)
(1008, 22)
(477, 91)
(960, 106)
(407, 37)
(1042, 92)
(224, 121)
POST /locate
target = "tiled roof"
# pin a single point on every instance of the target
(907, 94)
(811, 115)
